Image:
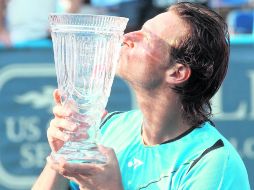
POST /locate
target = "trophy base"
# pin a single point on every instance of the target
(80, 152)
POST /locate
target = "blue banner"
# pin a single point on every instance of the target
(27, 81)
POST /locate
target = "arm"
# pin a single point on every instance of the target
(50, 179)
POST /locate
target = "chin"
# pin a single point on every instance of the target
(120, 72)
(119, 69)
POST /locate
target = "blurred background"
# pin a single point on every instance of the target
(27, 78)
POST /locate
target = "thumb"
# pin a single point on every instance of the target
(57, 96)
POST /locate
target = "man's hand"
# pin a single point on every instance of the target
(57, 132)
(92, 176)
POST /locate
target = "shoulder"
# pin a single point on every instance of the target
(217, 166)
(119, 130)
(118, 118)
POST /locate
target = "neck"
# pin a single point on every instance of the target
(162, 117)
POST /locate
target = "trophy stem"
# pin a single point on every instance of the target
(80, 152)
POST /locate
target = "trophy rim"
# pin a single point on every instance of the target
(79, 22)
(87, 15)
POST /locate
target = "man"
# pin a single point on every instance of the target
(23, 20)
(175, 64)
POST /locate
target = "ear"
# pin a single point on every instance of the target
(178, 74)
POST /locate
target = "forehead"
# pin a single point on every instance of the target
(167, 26)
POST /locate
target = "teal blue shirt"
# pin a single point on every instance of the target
(201, 158)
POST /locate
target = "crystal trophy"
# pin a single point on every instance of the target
(86, 52)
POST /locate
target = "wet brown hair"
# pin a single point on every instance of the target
(206, 51)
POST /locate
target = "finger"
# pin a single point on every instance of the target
(52, 163)
(60, 111)
(82, 181)
(57, 96)
(108, 152)
(104, 114)
(62, 129)
(57, 165)
(74, 169)
(65, 110)
(63, 124)
(54, 134)
(86, 183)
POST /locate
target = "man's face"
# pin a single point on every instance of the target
(145, 53)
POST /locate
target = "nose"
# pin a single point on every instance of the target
(127, 40)
(131, 38)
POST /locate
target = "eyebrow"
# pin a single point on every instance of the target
(150, 34)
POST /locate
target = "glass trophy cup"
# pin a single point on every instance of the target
(86, 51)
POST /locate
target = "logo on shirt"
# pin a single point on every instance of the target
(135, 163)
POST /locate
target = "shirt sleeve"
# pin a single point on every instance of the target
(73, 186)
(217, 170)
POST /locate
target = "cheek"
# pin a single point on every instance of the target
(158, 54)
(140, 63)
